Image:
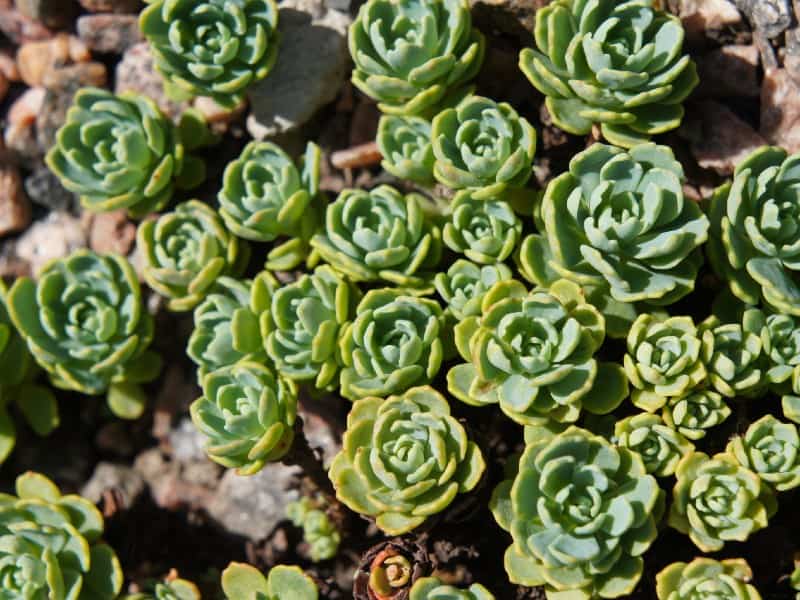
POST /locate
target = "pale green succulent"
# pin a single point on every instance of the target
(660, 446)
(243, 582)
(405, 144)
(486, 232)
(695, 413)
(169, 589)
(706, 578)
(433, 588)
(319, 532)
(733, 355)
(770, 449)
(464, 285)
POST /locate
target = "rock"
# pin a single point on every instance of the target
(719, 138)
(112, 6)
(109, 32)
(772, 17)
(20, 131)
(731, 70)
(511, 17)
(52, 13)
(56, 236)
(36, 60)
(3, 85)
(44, 188)
(8, 65)
(218, 118)
(15, 208)
(19, 28)
(780, 109)
(136, 73)
(699, 16)
(792, 59)
(112, 476)
(187, 443)
(252, 506)
(112, 232)
(174, 486)
(298, 87)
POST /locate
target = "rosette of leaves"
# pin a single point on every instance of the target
(52, 547)
(307, 315)
(380, 235)
(172, 588)
(404, 459)
(486, 232)
(618, 221)
(393, 344)
(663, 359)
(482, 146)
(695, 413)
(85, 324)
(412, 56)
(716, 500)
(733, 355)
(319, 532)
(706, 578)
(464, 285)
(186, 250)
(248, 414)
(533, 354)
(122, 152)
(243, 582)
(229, 322)
(660, 446)
(770, 449)
(265, 195)
(618, 64)
(405, 144)
(214, 48)
(389, 569)
(581, 513)
(433, 588)
(755, 241)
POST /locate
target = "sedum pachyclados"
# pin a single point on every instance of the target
(660, 446)
(618, 64)
(172, 588)
(433, 588)
(405, 144)
(533, 354)
(464, 285)
(248, 414)
(184, 252)
(51, 545)
(85, 324)
(404, 459)
(411, 56)
(581, 513)
(695, 413)
(485, 232)
(482, 146)
(319, 532)
(702, 578)
(770, 449)
(243, 582)
(213, 48)
(265, 195)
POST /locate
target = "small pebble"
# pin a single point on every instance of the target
(15, 208)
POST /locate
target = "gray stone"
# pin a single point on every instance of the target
(771, 17)
(136, 73)
(44, 189)
(109, 475)
(312, 65)
(187, 442)
(112, 6)
(19, 28)
(56, 236)
(780, 109)
(701, 16)
(109, 32)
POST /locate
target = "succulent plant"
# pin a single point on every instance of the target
(243, 582)
(122, 152)
(770, 449)
(794, 579)
(617, 220)
(482, 146)
(213, 48)
(52, 547)
(533, 354)
(695, 413)
(265, 195)
(755, 240)
(380, 235)
(186, 250)
(663, 359)
(388, 570)
(307, 316)
(706, 578)
(248, 414)
(581, 513)
(172, 588)
(413, 55)
(732, 353)
(464, 285)
(618, 64)
(433, 588)
(780, 344)
(319, 532)
(486, 232)
(393, 344)
(716, 500)
(405, 144)
(660, 446)
(404, 459)
(85, 324)
(229, 323)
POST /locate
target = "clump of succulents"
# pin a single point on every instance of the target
(186, 250)
(319, 532)
(265, 196)
(660, 446)
(616, 64)
(405, 144)
(464, 285)
(732, 353)
(486, 232)
(770, 449)
(171, 588)
(706, 578)
(404, 459)
(52, 545)
(716, 500)
(244, 582)
(248, 414)
(393, 343)
(214, 48)
(618, 221)
(581, 513)
(482, 146)
(380, 235)
(433, 588)
(695, 413)
(412, 56)
(533, 354)
(85, 324)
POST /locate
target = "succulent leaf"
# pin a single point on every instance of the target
(433, 588)
(405, 144)
(319, 532)
(464, 285)
(243, 582)
(733, 356)
(695, 413)
(706, 578)
(486, 232)
(660, 446)
(771, 449)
